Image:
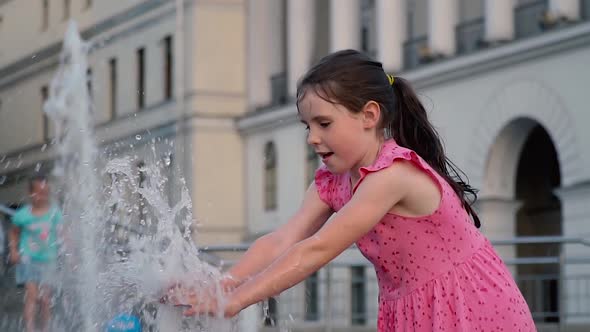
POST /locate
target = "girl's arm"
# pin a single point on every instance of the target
(376, 195)
(312, 214)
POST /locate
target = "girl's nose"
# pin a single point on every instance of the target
(312, 139)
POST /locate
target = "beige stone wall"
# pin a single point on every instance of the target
(215, 86)
(212, 74)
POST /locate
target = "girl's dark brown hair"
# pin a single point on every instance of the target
(351, 79)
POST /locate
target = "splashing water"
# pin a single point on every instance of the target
(123, 241)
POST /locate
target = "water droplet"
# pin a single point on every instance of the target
(2, 179)
(167, 160)
(138, 137)
(37, 167)
(44, 147)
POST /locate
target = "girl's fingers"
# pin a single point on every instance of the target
(189, 312)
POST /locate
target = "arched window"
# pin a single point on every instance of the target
(311, 165)
(270, 176)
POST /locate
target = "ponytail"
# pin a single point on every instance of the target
(408, 124)
(351, 79)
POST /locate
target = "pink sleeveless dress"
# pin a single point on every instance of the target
(437, 272)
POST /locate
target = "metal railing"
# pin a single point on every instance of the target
(555, 299)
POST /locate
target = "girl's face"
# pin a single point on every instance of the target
(345, 141)
(39, 192)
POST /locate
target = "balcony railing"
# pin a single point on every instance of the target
(278, 88)
(470, 35)
(528, 19)
(585, 9)
(413, 49)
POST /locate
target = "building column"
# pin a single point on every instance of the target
(259, 27)
(391, 33)
(498, 220)
(499, 20)
(575, 210)
(442, 18)
(345, 25)
(568, 9)
(300, 29)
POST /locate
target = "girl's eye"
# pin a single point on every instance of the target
(324, 124)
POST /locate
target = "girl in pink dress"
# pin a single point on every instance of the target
(397, 196)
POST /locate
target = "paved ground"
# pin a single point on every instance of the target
(11, 302)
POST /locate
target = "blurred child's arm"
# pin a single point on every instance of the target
(13, 239)
(376, 195)
(310, 217)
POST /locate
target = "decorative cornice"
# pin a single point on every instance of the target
(501, 56)
(47, 57)
(269, 119)
(167, 126)
(452, 69)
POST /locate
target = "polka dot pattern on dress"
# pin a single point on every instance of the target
(436, 272)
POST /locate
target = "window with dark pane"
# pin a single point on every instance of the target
(45, 119)
(89, 82)
(140, 78)
(312, 298)
(270, 176)
(358, 294)
(113, 87)
(168, 67)
(45, 15)
(67, 9)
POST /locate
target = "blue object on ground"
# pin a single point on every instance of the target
(124, 323)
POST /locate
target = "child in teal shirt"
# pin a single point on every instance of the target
(36, 233)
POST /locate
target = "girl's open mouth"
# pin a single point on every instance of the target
(326, 155)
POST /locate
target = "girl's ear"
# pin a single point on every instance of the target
(371, 114)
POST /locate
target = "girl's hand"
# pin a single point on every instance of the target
(204, 301)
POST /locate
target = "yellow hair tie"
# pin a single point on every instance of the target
(391, 79)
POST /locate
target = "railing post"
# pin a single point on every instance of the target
(328, 308)
(562, 291)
